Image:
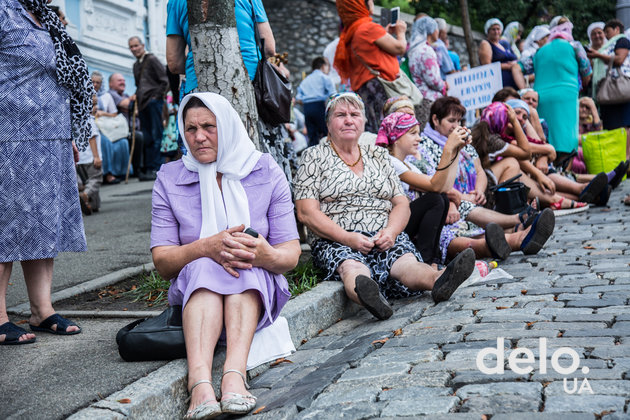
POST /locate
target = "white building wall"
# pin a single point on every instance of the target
(105, 26)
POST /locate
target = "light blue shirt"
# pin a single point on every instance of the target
(446, 64)
(177, 24)
(316, 87)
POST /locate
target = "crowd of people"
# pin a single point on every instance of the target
(397, 194)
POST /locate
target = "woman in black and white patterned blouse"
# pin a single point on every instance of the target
(351, 199)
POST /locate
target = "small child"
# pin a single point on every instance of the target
(89, 169)
(312, 93)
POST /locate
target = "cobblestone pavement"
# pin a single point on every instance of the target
(422, 361)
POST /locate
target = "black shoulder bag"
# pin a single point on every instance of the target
(510, 196)
(272, 89)
(158, 338)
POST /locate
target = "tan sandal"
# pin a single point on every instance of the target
(238, 403)
(207, 409)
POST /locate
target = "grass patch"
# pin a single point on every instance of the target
(303, 277)
(151, 288)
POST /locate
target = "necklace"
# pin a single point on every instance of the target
(339, 156)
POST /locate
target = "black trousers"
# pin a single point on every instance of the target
(428, 214)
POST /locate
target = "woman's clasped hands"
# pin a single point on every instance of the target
(234, 249)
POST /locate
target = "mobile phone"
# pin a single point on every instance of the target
(386, 16)
(251, 232)
(394, 13)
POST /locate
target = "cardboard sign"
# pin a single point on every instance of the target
(476, 87)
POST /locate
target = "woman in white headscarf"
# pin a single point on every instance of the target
(423, 61)
(493, 49)
(227, 279)
(524, 73)
(512, 34)
(596, 35)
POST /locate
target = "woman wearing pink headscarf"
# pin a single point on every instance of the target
(505, 150)
(558, 66)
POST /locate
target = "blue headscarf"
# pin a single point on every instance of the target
(421, 29)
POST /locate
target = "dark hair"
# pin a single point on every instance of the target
(55, 9)
(445, 106)
(505, 93)
(480, 134)
(194, 102)
(614, 23)
(318, 63)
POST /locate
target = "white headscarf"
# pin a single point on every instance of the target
(490, 22)
(236, 157)
(554, 21)
(538, 33)
(590, 28)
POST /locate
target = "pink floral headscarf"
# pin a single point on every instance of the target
(496, 115)
(394, 126)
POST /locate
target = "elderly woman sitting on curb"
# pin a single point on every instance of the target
(228, 281)
(351, 199)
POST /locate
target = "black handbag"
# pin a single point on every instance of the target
(510, 197)
(158, 338)
(272, 89)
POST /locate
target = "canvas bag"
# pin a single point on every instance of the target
(114, 128)
(401, 86)
(603, 150)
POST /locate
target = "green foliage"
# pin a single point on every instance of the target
(529, 12)
(303, 277)
(151, 288)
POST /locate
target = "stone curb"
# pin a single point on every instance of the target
(164, 390)
(24, 309)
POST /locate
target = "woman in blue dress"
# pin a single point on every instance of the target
(496, 49)
(46, 104)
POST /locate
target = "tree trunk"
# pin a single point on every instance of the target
(471, 45)
(218, 61)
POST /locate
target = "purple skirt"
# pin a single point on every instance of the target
(205, 273)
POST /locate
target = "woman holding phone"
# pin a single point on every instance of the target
(367, 50)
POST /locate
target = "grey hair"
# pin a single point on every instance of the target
(97, 73)
(442, 25)
(347, 98)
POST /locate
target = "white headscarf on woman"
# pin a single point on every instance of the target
(490, 22)
(236, 157)
(538, 33)
(590, 28)
(421, 29)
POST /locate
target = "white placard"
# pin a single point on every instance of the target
(476, 87)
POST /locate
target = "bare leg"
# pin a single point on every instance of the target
(545, 198)
(241, 314)
(5, 275)
(202, 322)
(505, 169)
(38, 275)
(349, 270)
(481, 216)
(565, 185)
(414, 274)
(480, 247)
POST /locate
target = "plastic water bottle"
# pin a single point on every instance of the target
(483, 267)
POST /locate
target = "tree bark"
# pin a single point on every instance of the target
(473, 54)
(218, 62)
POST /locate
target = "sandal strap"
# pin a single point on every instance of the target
(240, 373)
(203, 381)
(238, 396)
